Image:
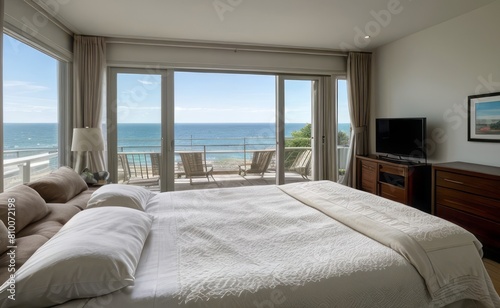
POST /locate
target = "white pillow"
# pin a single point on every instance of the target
(95, 253)
(134, 197)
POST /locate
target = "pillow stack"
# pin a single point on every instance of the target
(34, 223)
(26, 206)
(95, 253)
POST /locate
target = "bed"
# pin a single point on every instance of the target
(312, 244)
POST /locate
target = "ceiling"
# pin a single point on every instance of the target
(323, 24)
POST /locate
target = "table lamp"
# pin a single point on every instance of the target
(87, 140)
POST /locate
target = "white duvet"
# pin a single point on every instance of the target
(261, 247)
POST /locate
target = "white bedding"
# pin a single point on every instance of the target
(259, 247)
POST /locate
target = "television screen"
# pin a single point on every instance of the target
(401, 136)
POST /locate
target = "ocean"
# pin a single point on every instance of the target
(146, 136)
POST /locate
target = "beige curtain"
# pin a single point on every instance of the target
(89, 69)
(358, 91)
(1, 92)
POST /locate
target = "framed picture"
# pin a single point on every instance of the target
(484, 117)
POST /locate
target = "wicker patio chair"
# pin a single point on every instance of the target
(140, 168)
(195, 165)
(302, 163)
(260, 163)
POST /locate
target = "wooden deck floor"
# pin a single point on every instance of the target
(231, 180)
(234, 180)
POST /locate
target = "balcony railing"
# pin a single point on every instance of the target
(225, 154)
(20, 166)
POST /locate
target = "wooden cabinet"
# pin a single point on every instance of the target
(407, 183)
(469, 195)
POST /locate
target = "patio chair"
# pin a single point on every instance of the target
(140, 169)
(301, 164)
(260, 163)
(195, 165)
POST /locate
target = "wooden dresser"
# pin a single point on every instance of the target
(406, 183)
(469, 195)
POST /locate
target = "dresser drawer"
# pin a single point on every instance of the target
(369, 176)
(369, 186)
(476, 185)
(368, 166)
(395, 170)
(486, 231)
(393, 193)
(473, 204)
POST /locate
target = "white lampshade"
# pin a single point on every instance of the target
(87, 139)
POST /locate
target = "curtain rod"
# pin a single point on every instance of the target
(226, 46)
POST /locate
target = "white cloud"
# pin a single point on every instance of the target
(10, 107)
(147, 82)
(138, 108)
(201, 109)
(24, 86)
(29, 113)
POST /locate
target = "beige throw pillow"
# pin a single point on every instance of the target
(25, 206)
(4, 238)
(59, 186)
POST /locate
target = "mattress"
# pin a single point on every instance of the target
(283, 246)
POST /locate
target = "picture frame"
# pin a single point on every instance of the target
(483, 117)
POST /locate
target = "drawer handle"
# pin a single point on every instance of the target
(452, 181)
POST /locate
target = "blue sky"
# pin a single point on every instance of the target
(216, 98)
(30, 84)
(30, 94)
(488, 111)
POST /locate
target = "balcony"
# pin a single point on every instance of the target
(25, 165)
(225, 155)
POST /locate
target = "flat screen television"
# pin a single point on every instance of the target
(401, 137)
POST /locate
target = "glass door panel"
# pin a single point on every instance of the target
(225, 129)
(138, 128)
(343, 128)
(299, 100)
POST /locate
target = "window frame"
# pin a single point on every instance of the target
(64, 92)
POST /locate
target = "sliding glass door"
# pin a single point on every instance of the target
(297, 98)
(197, 130)
(138, 101)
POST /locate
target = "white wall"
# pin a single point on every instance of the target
(432, 72)
(23, 20)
